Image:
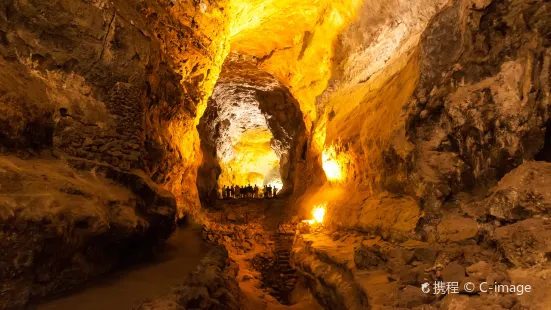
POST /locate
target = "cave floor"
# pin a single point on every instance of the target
(348, 269)
(126, 289)
(254, 232)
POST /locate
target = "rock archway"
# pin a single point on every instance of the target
(252, 131)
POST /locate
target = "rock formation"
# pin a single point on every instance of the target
(422, 127)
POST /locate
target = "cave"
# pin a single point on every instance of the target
(262, 154)
(251, 132)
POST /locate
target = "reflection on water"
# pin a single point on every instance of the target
(125, 289)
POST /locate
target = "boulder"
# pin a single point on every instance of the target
(522, 193)
(525, 243)
(368, 257)
(413, 275)
(455, 302)
(424, 254)
(479, 270)
(455, 228)
(413, 296)
(453, 272)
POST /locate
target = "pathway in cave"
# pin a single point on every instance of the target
(271, 282)
(123, 290)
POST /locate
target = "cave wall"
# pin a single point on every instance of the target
(489, 105)
(425, 99)
(285, 121)
(464, 103)
(132, 80)
(209, 170)
(99, 102)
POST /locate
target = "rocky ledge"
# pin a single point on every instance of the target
(60, 227)
(502, 238)
(356, 273)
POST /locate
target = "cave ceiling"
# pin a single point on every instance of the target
(292, 41)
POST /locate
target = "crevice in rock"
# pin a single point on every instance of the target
(105, 41)
(545, 153)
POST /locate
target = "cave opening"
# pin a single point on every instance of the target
(251, 132)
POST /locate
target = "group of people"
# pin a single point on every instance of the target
(249, 191)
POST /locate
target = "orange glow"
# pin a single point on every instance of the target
(297, 36)
(251, 161)
(318, 212)
(333, 163)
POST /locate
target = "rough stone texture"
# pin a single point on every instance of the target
(333, 284)
(522, 193)
(393, 275)
(368, 257)
(60, 227)
(480, 115)
(455, 228)
(525, 243)
(105, 86)
(390, 216)
(110, 77)
(458, 104)
(212, 286)
(117, 138)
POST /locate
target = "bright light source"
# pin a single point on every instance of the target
(319, 212)
(276, 183)
(333, 164)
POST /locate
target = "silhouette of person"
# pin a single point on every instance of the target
(227, 192)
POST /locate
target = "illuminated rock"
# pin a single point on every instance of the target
(385, 111)
(255, 126)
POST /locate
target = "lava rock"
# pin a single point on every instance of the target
(232, 217)
(525, 243)
(479, 270)
(453, 272)
(368, 257)
(522, 193)
(424, 254)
